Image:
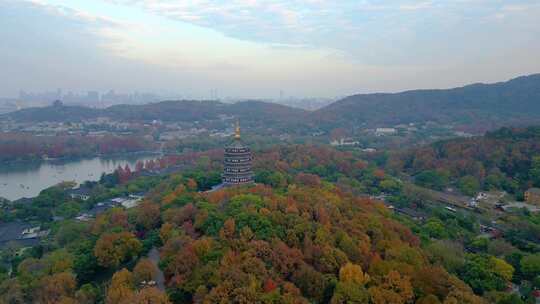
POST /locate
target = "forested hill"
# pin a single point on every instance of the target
(482, 105)
(508, 159)
(477, 107)
(293, 238)
(251, 113)
(56, 113)
(184, 110)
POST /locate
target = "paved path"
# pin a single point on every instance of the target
(153, 255)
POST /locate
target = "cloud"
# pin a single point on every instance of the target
(348, 25)
(63, 11)
(255, 48)
(46, 46)
(75, 50)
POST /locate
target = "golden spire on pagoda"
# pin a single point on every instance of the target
(237, 130)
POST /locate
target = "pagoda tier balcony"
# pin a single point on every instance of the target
(228, 154)
(237, 150)
(236, 177)
(237, 170)
(237, 180)
(237, 164)
(237, 160)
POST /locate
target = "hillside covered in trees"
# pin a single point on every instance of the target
(297, 245)
(306, 233)
(507, 159)
(478, 107)
(180, 110)
(22, 146)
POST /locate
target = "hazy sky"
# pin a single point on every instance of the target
(253, 48)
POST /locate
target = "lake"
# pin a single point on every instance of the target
(27, 179)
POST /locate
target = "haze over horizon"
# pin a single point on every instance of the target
(252, 48)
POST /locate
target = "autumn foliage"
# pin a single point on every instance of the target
(311, 243)
(114, 248)
(301, 235)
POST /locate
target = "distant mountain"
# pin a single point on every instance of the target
(483, 106)
(251, 113)
(266, 112)
(185, 110)
(478, 107)
(52, 113)
(205, 110)
(7, 105)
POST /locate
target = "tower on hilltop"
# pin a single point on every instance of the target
(237, 162)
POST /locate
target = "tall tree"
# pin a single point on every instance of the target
(111, 249)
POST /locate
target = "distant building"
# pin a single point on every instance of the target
(490, 232)
(532, 196)
(237, 162)
(344, 142)
(463, 134)
(369, 150)
(80, 193)
(385, 131)
(473, 203)
(20, 234)
(132, 201)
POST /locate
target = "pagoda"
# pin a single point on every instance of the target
(237, 162)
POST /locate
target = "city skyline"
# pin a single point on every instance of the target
(50, 95)
(255, 49)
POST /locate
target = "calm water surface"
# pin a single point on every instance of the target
(29, 178)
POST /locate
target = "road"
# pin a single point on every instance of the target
(153, 255)
(455, 200)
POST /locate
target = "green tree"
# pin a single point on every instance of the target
(448, 254)
(435, 228)
(87, 294)
(432, 179)
(494, 181)
(536, 282)
(481, 276)
(70, 231)
(534, 172)
(511, 299)
(469, 185)
(389, 185)
(349, 293)
(502, 269)
(530, 265)
(85, 263)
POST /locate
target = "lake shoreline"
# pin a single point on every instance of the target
(78, 158)
(26, 179)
